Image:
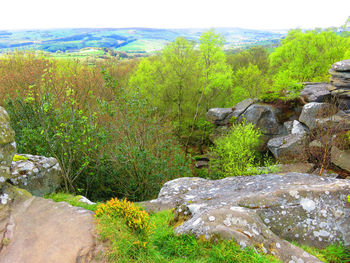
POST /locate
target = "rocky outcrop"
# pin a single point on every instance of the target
(315, 110)
(340, 83)
(7, 146)
(219, 116)
(262, 210)
(38, 230)
(316, 92)
(38, 175)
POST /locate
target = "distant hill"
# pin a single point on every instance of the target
(131, 40)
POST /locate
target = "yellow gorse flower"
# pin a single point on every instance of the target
(135, 218)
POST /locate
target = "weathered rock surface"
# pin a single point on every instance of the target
(7, 146)
(318, 92)
(263, 209)
(37, 230)
(313, 111)
(37, 174)
(219, 116)
(341, 66)
(288, 148)
(340, 83)
(263, 117)
(241, 107)
(340, 158)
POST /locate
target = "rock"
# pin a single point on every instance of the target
(7, 146)
(241, 107)
(37, 230)
(37, 174)
(288, 148)
(318, 92)
(295, 168)
(263, 117)
(313, 111)
(202, 162)
(340, 158)
(83, 199)
(263, 209)
(299, 128)
(341, 66)
(219, 116)
(339, 121)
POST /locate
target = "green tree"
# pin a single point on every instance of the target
(306, 56)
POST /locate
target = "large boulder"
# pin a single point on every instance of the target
(7, 146)
(340, 158)
(316, 92)
(219, 116)
(289, 148)
(241, 107)
(37, 174)
(313, 111)
(262, 211)
(37, 230)
(263, 117)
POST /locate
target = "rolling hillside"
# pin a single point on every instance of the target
(133, 40)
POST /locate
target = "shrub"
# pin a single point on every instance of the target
(135, 218)
(236, 153)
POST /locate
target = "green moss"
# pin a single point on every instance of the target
(71, 199)
(17, 157)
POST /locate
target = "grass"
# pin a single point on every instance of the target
(163, 246)
(71, 199)
(331, 254)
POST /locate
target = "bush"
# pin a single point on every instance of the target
(237, 153)
(135, 218)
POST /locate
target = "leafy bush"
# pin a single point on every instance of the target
(236, 153)
(135, 218)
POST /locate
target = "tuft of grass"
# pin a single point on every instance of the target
(17, 157)
(330, 254)
(71, 199)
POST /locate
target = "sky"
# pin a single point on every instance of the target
(252, 14)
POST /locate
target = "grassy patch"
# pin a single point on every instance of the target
(162, 245)
(331, 254)
(71, 199)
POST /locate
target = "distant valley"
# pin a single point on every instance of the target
(129, 40)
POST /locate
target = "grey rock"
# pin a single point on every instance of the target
(339, 121)
(263, 117)
(241, 107)
(316, 92)
(38, 175)
(264, 209)
(7, 146)
(341, 66)
(340, 158)
(219, 116)
(315, 110)
(288, 125)
(288, 148)
(299, 128)
(316, 144)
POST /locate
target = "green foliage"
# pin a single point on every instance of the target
(164, 246)
(17, 157)
(249, 82)
(236, 153)
(330, 254)
(72, 200)
(183, 83)
(135, 218)
(306, 56)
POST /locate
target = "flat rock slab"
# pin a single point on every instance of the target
(42, 231)
(262, 211)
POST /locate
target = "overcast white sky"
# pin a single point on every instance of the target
(257, 14)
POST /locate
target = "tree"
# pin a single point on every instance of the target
(306, 56)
